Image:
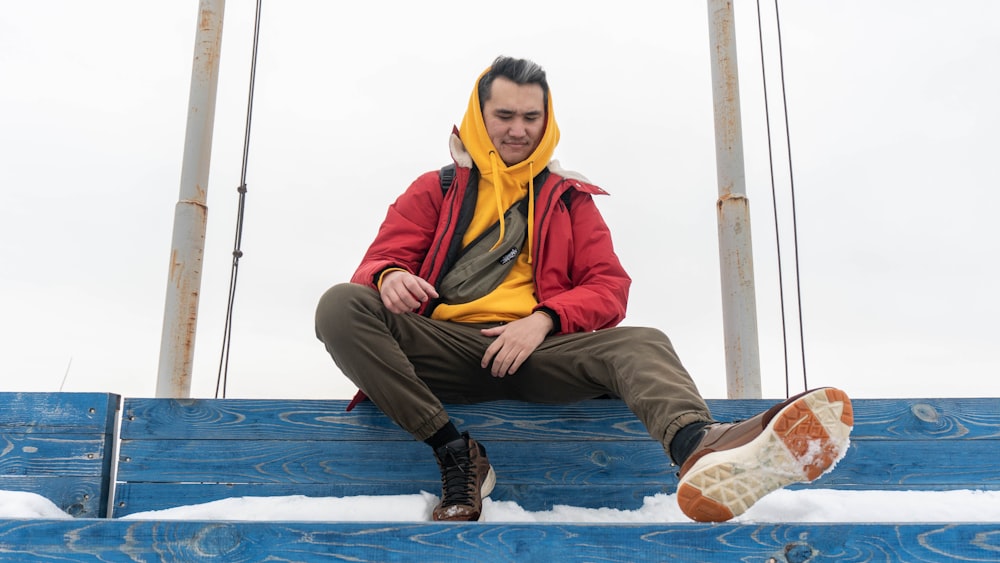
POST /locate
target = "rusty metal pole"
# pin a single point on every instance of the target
(180, 317)
(739, 302)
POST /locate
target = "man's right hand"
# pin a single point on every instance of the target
(403, 292)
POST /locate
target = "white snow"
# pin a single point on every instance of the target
(810, 505)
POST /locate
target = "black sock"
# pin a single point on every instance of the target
(447, 433)
(685, 441)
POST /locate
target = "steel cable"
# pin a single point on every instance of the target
(774, 200)
(223, 375)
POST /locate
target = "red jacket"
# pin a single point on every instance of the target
(577, 274)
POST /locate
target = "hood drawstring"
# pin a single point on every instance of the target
(531, 205)
(477, 142)
(531, 201)
(496, 194)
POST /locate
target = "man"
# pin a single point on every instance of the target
(458, 300)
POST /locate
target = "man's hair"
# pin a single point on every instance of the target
(518, 71)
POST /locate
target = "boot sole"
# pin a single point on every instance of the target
(488, 483)
(803, 441)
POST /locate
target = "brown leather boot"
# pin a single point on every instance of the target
(466, 477)
(737, 463)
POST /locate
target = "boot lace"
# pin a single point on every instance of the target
(456, 477)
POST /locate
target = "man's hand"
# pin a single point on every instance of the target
(402, 291)
(515, 341)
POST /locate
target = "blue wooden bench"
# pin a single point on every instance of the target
(60, 446)
(590, 454)
(182, 452)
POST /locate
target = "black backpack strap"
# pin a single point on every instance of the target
(447, 174)
(565, 197)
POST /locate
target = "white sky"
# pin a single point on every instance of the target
(893, 120)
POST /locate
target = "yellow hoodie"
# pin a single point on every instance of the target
(500, 186)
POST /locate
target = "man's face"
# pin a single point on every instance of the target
(515, 118)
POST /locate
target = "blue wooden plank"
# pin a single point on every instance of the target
(940, 419)
(235, 542)
(927, 418)
(62, 413)
(296, 420)
(274, 461)
(52, 454)
(937, 419)
(256, 419)
(78, 496)
(905, 464)
(131, 498)
(59, 445)
(266, 448)
(142, 497)
(871, 465)
(617, 475)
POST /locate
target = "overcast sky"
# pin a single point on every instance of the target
(892, 114)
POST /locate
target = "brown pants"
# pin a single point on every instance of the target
(409, 364)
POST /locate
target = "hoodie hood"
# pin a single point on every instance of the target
(484, 154)
(509, 183)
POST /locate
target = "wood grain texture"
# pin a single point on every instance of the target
(234, 542)
(59, 445)
(937, 418)
(194, 451)
(557, 475)
(62, 413)
(867, 464)
(595, 453)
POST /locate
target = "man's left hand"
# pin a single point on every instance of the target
(515, 341)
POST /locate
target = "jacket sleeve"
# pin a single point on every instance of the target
(595, 295)
(406, 233)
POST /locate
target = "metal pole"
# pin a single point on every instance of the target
(180, 317)
(739, 303)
